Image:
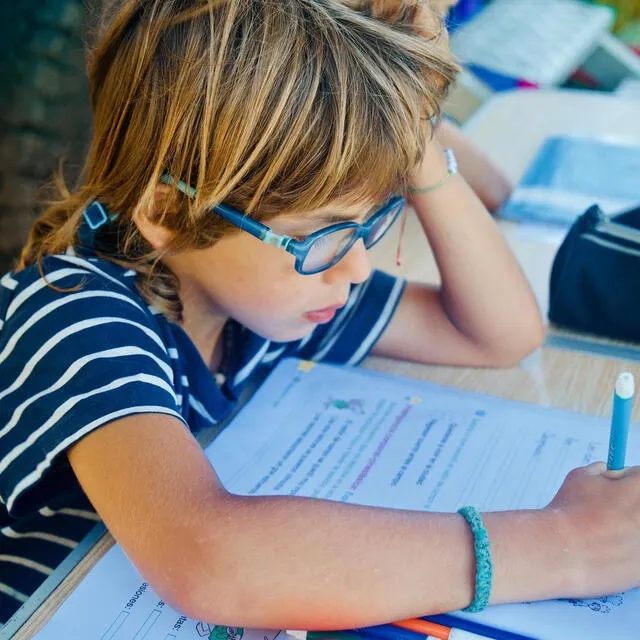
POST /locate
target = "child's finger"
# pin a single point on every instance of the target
(600, 469)
(595, 469)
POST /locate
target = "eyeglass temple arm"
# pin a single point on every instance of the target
(255, 228)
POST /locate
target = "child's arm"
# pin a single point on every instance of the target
(487, 181)
(285, 562)
(484, 313)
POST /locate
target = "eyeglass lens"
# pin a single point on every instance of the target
(333, 246)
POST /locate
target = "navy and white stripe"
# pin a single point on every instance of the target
(72, 361)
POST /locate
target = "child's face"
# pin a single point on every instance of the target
(257, 285)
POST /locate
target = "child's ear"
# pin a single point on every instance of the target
(147, 218)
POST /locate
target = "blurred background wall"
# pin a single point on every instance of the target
(44, 112)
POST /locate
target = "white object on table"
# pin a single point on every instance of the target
(542, 41)
(629, 88)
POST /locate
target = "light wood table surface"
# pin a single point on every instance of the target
(509, 128)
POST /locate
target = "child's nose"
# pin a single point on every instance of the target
(354, 267)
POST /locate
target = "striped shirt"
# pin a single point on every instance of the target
(74, 360)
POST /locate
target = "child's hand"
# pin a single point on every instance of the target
(485, 178)
(602, 512)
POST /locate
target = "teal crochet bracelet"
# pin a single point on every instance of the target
(484, 565)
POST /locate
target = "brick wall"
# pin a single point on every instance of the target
(44, 111)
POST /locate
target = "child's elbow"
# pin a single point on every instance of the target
(203, 597)
(189, 585)
(532, 337)
(205, 602)
(211, 584)
(509, 351)
(494, 194)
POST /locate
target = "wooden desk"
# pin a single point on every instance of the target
(509, 128)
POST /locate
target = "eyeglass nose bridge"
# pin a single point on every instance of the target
(359, 233)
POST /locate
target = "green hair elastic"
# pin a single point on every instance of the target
(484, 564)
(452, 169)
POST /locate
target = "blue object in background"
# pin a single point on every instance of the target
(569, 174)
(466, 8)
(498, 81)
(463, 11)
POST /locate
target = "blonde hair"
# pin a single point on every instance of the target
(272, 106)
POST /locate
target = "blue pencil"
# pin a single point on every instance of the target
(622, 405)
(477, 627)
(390, 632)
(387, 632)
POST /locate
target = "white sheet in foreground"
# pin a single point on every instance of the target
(362, 437)
(113, 602)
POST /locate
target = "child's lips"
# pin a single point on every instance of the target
(320, 316)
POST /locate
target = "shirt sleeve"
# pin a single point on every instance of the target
(351, 335)
(70, 362)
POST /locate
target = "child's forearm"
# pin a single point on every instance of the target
(299, 563)
(484, 292)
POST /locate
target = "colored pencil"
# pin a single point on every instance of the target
(332, 635)
(620, 418)
(479, 628)
(437, 630)
(390, 632)
(431, 630)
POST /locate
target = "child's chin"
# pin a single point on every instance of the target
(290, 334)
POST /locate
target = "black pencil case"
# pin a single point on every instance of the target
(595, 278)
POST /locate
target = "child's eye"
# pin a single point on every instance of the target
(322, 241)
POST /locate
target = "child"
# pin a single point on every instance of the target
(144, 300)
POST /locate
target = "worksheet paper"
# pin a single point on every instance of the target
(114, 602)
(366, 438)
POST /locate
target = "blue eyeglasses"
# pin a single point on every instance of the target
(321, 249)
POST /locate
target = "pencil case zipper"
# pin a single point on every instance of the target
(616, 230)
